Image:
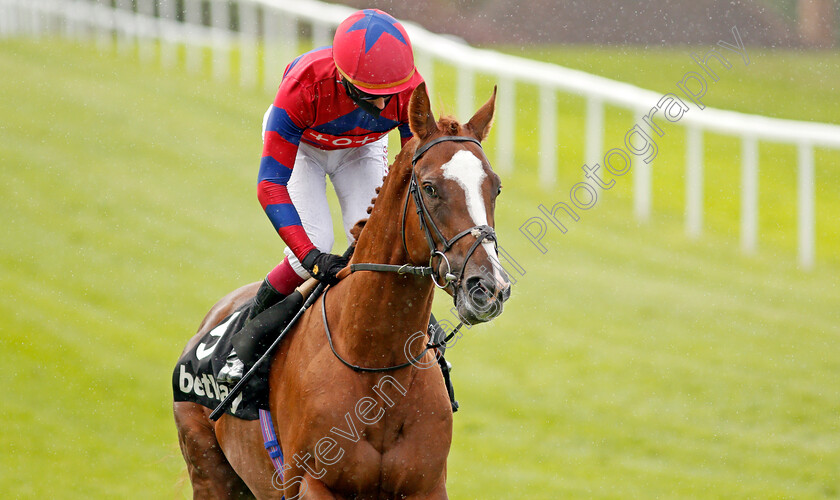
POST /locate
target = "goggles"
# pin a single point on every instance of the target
(364, 96)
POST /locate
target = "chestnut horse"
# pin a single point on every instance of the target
(351, 433)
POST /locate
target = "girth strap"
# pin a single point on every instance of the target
(272, 446)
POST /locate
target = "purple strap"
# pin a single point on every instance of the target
(271, 444)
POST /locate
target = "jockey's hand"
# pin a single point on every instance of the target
(324, 266)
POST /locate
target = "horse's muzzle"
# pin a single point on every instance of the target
(481, 297)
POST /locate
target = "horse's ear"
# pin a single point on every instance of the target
(420, 117)
(482, 120)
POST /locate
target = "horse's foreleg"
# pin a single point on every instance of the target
(439, 493)
(210, 473)
(308, 488)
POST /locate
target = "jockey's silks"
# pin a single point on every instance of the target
(312, 106)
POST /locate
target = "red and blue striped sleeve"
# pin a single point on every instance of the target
(287, 120)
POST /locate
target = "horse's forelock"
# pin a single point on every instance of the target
(449, 125)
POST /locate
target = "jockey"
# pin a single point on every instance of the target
(331, 116)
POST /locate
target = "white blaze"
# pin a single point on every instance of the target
(466, 169)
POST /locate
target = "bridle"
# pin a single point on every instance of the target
(480, 232)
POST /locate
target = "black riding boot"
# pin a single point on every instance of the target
(234, 368)
(266, 297)
(437, 335)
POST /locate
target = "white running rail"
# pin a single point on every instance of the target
(221, 27)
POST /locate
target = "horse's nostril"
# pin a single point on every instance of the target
(474, 282)
(479, 290)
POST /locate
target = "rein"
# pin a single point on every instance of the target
(364, 369)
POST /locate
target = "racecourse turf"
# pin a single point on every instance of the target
(630, 362)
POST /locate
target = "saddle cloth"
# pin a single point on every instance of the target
(194, 379)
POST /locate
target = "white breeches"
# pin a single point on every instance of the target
(355, 174)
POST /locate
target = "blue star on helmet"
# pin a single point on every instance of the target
(375, 25)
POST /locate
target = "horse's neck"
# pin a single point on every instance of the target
(387, 308)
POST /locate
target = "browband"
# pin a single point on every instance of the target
(456, 138)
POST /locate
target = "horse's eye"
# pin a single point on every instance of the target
(499, 190)
(430, 190)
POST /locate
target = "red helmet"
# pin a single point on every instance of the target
(372, 51)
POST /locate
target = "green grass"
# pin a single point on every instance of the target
(631, 362)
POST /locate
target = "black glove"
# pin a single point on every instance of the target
(324, 266)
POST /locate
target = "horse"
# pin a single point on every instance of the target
(354, 419)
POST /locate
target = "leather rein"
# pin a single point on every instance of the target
(479, 232)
